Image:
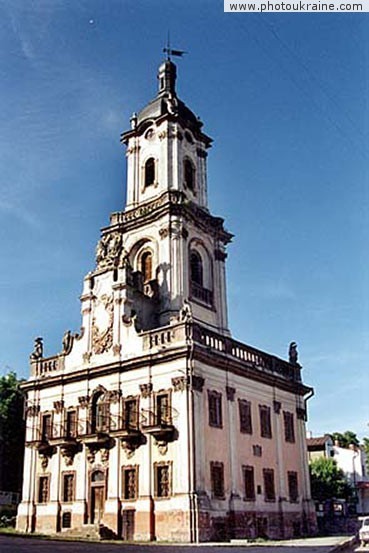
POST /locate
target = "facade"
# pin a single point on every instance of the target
(153, 423)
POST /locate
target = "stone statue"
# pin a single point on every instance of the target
(67, 342)
(38, 349)
(292, 353)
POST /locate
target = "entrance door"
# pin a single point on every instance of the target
(97, 495)
(128, 530)
(97, 504)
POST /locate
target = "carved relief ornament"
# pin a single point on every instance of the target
(109, 250)
(102, 340)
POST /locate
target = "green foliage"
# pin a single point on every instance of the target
(345, 439)
(12, 430)
(328, 481)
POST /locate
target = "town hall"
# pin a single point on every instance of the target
(153, 422)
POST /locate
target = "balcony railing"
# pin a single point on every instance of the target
(201, 294)
(250, 356)
(42, 367)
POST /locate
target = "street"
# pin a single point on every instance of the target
(11, 544)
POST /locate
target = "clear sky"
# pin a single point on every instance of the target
(285, 98)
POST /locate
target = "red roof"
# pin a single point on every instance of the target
(318, 441)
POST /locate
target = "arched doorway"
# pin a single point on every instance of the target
(97, 495)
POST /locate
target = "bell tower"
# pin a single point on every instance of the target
(173, 245)
(166, 148)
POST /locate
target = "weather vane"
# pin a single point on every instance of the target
(171, 52)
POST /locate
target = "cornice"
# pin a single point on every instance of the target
(169, 203)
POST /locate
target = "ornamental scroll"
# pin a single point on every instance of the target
(102, 340)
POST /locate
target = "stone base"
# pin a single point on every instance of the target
(174, 525)
(253, 524)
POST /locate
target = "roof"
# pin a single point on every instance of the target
(319, 441)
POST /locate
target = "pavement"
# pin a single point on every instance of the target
(32, 544)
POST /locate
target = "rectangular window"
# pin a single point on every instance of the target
(162, 404)
(215, 408)
(245, 416)
(249, 483)
(217, 479)
(43, 489)
(130, 414)
(71, 424)
(289, 429)
(68, 487)
(130, 482)
(269, 489)
(293, 488)
(46, 427)
(163, 480)
(102, 416)
(265, 421)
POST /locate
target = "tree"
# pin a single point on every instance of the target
(12, 432)
(328, 481)
(345, 439)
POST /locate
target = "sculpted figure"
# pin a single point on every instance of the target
(38, 349)
(292, 353)
(101, 250)
(67, 342)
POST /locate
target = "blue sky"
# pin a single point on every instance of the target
(286, 99)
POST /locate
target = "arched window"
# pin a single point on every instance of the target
(196, 268)
(98, 476)
(150, 171)
(99, 414)
(146, 266)
(189, 174)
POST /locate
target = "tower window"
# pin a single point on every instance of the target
(150, 171)
(189, 174)
(146, 266)
(196, 269)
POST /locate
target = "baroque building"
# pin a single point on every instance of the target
(153, 423)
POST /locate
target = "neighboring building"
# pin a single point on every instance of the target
(153, 422)
(351, 460)
(321, 446)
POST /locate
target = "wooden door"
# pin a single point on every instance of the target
(128, 530)
(97, 504)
